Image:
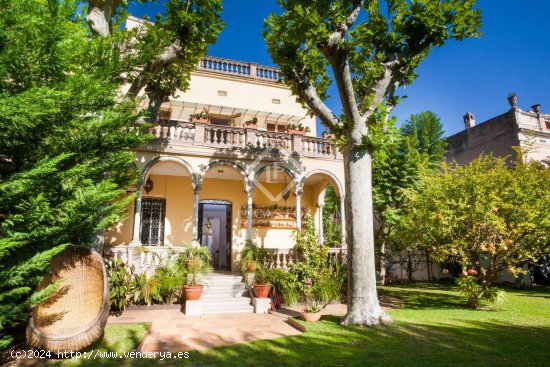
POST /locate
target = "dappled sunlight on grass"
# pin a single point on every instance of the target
(433, 328)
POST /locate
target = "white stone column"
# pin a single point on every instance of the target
(343, 218)
(320, 207)
(137, 217)
(249, 209)
(196, 191)
(299, 193)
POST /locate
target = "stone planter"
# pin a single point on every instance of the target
(262, 290)
(311, 317)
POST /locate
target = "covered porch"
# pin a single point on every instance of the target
(221, 204)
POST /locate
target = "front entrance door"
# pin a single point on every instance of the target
(215, 231)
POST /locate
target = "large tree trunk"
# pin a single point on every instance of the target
(363, 306)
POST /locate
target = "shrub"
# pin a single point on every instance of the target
(120, 282)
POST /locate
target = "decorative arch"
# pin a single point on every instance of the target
(238, 167)
(331, 175)
(283, 168)
(178, 160)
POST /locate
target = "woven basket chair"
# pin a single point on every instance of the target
(75, 317)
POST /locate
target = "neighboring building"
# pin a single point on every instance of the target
(527, 129)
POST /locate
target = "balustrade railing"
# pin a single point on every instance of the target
(219, 136)
(180, 132)
(239, 68)
(147, 259)
(224, 136)
(267, 139)
(144, 259)
(318, 146)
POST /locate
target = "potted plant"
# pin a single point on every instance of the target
(317, 293)
(250, 255)
(202, 117)
(298, 128)
(262, 284)
(251, 123)
(200, 255)
(327, 135)
(194, 286)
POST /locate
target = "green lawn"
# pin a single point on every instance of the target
(434, 329)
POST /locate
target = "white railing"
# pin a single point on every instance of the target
(147, 259)
(219, 136)
(144, 259)
(180, 132)
(279, 258)
(318, 146)
(224, 136)
(239, 68)
(267, 139)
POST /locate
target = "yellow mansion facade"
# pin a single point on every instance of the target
(234, 158)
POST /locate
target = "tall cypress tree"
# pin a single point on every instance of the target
(67, 123)
(65, 145)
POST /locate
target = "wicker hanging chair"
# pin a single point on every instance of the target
(75, 317)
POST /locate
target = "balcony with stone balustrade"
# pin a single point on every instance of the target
(174, 134)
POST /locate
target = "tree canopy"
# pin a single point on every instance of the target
(369, 48)
(408, 154)
(68, 124)
(487, 216)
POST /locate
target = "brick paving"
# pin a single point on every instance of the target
(173, 331)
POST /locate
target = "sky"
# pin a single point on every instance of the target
(475, 75)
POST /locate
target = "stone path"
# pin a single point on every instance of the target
(175, 332)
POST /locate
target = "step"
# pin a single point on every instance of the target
(221, 281)
(224, 294)
(224, 288)
(226, 301)
(228, 309)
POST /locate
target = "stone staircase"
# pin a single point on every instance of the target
(225, 293)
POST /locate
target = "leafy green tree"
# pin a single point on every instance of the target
(417, 147)
(486, 216)
(67, 131)
(368, 48)
(423, 133)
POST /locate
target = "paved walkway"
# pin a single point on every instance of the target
(173, 331)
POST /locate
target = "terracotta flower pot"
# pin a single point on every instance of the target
(298, 132)
(251, 126)
(193, 292)
(328, 136)
(200, 120)
(251, 266)
(262, 290)
(311, 317)
(472, 272)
